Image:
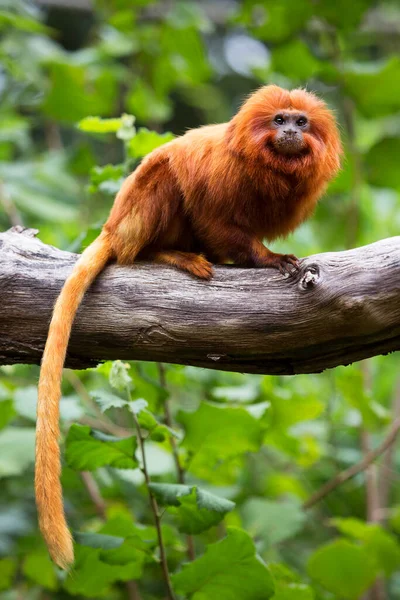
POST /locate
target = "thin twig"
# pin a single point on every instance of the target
(155, 509)
(104, 426)
(53, 136)
(103, 422)
(94, 493)
(344, 476)
(9, 207)
(191, 551)
(133, 590)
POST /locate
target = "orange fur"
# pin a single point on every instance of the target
(211, 195)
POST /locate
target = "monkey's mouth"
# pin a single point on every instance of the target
(289, 146)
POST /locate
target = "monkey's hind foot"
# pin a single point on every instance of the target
(195, 264)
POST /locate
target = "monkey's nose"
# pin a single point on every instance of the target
(290, 132)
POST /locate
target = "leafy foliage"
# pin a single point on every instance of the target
(212, 575)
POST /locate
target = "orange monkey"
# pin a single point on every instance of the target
(207, 197)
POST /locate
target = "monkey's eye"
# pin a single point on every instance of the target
(301, 121)
(279, 120)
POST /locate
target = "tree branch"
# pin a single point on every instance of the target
(343, 476)
(340, 307)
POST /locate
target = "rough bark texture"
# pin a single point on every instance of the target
(341, 307)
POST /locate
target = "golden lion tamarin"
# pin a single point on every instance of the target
(207, 197)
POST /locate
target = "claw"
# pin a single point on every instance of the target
(288, 264)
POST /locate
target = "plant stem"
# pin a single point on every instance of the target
(155, 510)
(191, 551)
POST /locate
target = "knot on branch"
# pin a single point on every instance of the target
(310, 277)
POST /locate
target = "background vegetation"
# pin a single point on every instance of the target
(248, 452)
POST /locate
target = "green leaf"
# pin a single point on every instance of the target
(91, 576)
(98, 540)
(25, 400)
(288, 585)
(287, 411)
(382, 161)
(381, 544)
(106, 179)
(273, 521)
(87, 450)
(127, 131)
(119, 377)
(137, 406)
(23, 23)
(293, 591)
(229, 570)
(343, 568)
(121, 525)
(107, 400)
(98, 125)
(197, 510)
(146, 141)
(90, 91)
(183, 61)
(39, 569)
(7, 412)
(8, 567)
(133, 550)
(147, 421)
(385, 548)
(343, 14)
(118, 550)
(247, 393)
(17, 450)
(277, 20)
(351, 383)
(295, 60)
(207, 447)
(376, 90)
(352, 527)
(146, 105)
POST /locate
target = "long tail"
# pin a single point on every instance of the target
(49, 499)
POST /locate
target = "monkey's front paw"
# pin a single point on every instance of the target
(201, 268)
(286, 263)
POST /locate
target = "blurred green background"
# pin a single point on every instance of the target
(259, 445)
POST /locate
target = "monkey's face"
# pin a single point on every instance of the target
(288, 128)
(287, 131)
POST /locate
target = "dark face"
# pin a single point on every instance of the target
(289, 127)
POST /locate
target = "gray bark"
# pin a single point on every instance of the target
(341, 307)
